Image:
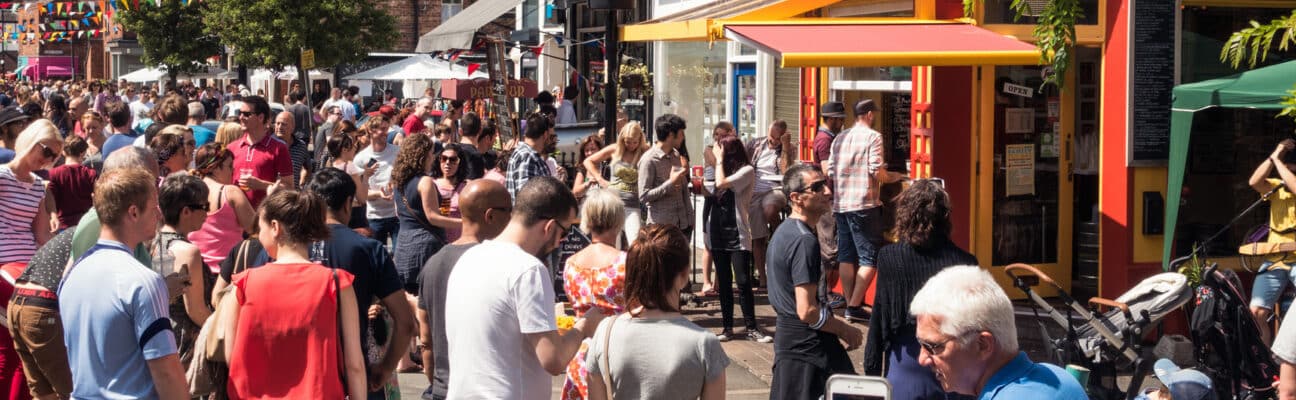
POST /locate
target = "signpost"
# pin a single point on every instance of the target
(499, 89)
(308, 59)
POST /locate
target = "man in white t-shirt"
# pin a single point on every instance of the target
(504, 342)
(348, 110)
(381, 210)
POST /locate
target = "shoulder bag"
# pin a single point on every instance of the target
(606, 372)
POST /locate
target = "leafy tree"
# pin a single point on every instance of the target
(171, 34)
(1253, 45)
(272, 33)
(1055, 33)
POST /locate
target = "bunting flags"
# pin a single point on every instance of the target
(473, 68)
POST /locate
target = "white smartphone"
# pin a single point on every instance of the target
(856, 387)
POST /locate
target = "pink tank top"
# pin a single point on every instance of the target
(218, 235)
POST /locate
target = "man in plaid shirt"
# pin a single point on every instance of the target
(856, 167)
(526, 162)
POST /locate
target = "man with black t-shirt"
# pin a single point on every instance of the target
(808, 347)
(485, 206)
(366, 259)
(474, 145)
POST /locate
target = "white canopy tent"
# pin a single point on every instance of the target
(155, 74)
(265, 74)
(418, 67)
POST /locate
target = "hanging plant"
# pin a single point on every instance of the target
(637, 76)
(1055, 33)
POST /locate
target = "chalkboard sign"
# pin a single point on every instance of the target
(1153, 79)
(568, 246)
(899, 120)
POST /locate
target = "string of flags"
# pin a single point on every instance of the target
(55, 21)
(454, 54)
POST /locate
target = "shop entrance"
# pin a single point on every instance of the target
(742, 111)
(1024, 182)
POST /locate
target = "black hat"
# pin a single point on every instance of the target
(9, 115)
(833, 109)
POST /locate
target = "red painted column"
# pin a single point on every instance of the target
(951, 111)
(1114, 187)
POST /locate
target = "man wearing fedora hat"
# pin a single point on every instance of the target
(833, 115)
(12, 121)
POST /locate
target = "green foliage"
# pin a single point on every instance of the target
(171, 35)
(272, 33)
(1055, 33)
(1253, 45)
(1194, 267)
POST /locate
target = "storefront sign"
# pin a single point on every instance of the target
(1019, 160)
(481, 88)
(1152, 76)
(1018, 90)
(1019, 120)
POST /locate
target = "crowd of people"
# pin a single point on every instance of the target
(314, 252)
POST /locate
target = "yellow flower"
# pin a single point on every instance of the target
(565, 323)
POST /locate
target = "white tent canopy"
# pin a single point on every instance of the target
(418, 67)
(154, 74)
(265, 74)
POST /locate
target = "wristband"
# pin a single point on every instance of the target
(824, 314)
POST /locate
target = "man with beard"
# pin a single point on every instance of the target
(503, 339)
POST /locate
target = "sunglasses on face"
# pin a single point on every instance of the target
(47, 152)
(817, 187)
(935, 349)
(204, 207)
(242, 113)
(452, 160)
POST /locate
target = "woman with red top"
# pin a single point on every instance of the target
(286, 340)
(70, 184)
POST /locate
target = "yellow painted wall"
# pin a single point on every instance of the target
(1147, 248)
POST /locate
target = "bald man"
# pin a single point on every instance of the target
(485, 206)
(285, 124)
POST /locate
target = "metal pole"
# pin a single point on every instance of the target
(611, 46)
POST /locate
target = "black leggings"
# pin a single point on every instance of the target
(733, 265)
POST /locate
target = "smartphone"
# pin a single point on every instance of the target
(856, 387)
(371, 162)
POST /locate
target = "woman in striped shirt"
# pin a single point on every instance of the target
(24, 222)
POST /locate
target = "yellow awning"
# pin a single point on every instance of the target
(706, 22)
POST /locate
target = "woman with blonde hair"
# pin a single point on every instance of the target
(228, 132)
(24, 222)
(595, 276)
(624, 160)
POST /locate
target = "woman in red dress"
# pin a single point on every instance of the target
(285, 340)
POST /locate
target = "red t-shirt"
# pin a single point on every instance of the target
(71, 187)
(268, 160)
(822, 145)
(286, 338)
(413, 125)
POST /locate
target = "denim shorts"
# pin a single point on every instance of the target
(1269, 285)
(858, 236)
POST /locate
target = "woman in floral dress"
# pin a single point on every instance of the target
(595, 276)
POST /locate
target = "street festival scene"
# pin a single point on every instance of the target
(576, 199)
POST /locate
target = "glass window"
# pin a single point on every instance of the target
(1026, 125)
(999, 12)
(690, 82)
(449, 8)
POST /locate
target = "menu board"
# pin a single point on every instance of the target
(1153, 75)
(899, 120)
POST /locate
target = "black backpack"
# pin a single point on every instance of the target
(1227, 340)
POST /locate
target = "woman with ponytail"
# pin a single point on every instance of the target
(230, 214)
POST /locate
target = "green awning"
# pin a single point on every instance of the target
(1261, 89)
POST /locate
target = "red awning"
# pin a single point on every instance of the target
(829, 43)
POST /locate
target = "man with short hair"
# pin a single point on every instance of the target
(808, 348)
(833, 115)
(285, 130)
(197, 113)
(381, 209)
(968, 335)
(375, 274)
(302, 119)
(259, 159)
(114, 309)
(500, 327)
(770, 157)
(331, 117)
(663, 179)
(473, 145)
(336, 100)
(856, 168)
(485, 206)
(414, 122)
(119, 116)
(526, 162)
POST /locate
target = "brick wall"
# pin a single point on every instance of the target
(89, 52)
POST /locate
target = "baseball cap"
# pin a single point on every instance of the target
(385, 111)
(9, 115)
(1184, 384)
(833, 109)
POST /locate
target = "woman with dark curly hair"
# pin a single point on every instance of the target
(418, 207)
(924, 249)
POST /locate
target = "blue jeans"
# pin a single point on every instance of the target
(858, 236)
(385, 228)
(1269, 285)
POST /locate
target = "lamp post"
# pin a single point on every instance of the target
(612, 57)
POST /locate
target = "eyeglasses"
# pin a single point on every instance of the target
(935, 349)
(204, 207)
(566, 230)
(242, 113)
(47, 152)
(451, 160)
(817, 187)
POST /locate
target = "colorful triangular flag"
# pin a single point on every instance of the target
(473, 68)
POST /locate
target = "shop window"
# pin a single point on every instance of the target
(1027, 125)
(690, 82)
(449, 8)
(1227, 145)
(999, 12)
(1206, 29)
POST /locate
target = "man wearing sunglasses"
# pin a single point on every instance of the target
(808, 348)
(259, 160)
(968, 337)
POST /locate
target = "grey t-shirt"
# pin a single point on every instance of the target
(657, 358)
(432, 299)
(1284, 344)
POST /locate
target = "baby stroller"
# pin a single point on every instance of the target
(1106, 340)
(1228, 345)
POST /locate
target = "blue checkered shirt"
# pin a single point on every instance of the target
(523, 165)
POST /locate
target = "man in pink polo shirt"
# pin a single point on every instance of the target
(260, 160)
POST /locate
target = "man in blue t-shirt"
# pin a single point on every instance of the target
(968, 336)
(201, 134)
(368, 260)
(119, 116)
(114, 309)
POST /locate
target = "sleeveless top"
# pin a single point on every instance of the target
(184, 328)
(450, 207)
(19, 203)
(588, 287)
(409, 209)
(219, 233)
(625, 179)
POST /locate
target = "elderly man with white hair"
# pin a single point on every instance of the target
(969, 339)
